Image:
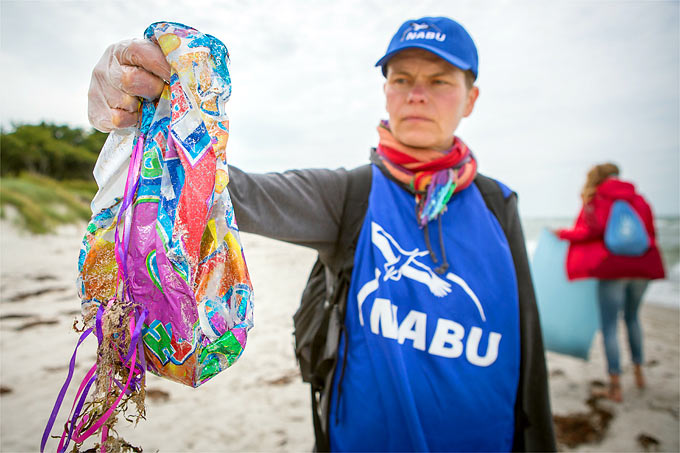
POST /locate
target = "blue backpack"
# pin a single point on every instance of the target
(625, 233)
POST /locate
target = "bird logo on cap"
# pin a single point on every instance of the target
(416, 31)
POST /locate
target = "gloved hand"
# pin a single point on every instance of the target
(127, 71)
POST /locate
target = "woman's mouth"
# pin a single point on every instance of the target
(416, 118)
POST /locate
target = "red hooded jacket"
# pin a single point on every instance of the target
(589, 258)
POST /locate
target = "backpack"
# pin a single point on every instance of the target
(625, 233)
(319, 321)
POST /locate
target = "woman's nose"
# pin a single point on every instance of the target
(417, 93)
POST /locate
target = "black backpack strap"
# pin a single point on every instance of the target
(495, 199)
(332, 292)
(353, 214)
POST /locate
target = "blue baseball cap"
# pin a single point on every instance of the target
(442, 36)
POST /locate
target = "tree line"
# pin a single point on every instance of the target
(57, 151)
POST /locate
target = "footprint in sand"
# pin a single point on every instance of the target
(35, 323)
(648, 442)
(157, 395)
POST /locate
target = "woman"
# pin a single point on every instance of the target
(622, 278)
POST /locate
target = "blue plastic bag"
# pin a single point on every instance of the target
(568, 309)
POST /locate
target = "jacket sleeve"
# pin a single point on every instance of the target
(303, 207)
(587, 226)
(533, 417)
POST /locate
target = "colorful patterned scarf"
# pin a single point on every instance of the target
(433, 176)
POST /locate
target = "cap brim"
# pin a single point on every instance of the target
(457, 62)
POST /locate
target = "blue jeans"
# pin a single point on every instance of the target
(614, 296)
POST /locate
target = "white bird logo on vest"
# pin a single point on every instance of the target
(404, 263)
(400, 262)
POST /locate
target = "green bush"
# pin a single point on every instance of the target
(60, 152)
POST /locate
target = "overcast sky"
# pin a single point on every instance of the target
(563, 84)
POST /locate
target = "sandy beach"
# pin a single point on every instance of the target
(261, 403)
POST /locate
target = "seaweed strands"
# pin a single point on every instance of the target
(118, 377)
(590, 427)
(119, 383)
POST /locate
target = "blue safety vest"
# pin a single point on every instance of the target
(432, 360)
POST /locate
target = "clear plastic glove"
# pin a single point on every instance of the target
(127, 71)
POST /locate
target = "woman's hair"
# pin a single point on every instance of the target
(595, 177)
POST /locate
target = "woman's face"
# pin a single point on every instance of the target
(426, 97)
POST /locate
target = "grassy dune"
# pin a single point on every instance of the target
(46, 174)
(43, 203)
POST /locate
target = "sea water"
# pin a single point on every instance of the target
(664, 292)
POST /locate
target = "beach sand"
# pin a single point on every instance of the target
(261, 403)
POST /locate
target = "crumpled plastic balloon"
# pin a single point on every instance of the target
(180, 253)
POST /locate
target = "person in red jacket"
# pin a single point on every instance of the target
(622, 279)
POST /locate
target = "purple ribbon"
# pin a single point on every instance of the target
(131, 185)
(134, 339)
(62, 392)
(121, 248)
(76, 413)
(98, 323)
